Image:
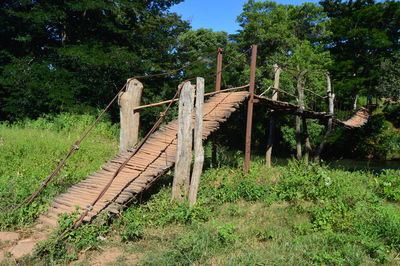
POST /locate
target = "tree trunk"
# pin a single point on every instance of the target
(300, 93)
(128, 100)
(331, 98)
(299, 154)
(355, 103)
(180, 186)
(271, 129)
(306, 141)
(198, 143)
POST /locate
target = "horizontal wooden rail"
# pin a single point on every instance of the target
(168, 101)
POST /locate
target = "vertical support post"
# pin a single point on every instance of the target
(198, 143)
(219, 70)
(271, 128)
(181, 182)
(129, 120)
(218, 79)
(300, 92)
(249, 123)
(331, 98)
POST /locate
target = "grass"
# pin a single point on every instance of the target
(29, 151)
(299, 214)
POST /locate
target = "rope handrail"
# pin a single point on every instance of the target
(316, 94)
(285, 92)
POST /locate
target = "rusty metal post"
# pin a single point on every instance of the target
(217, 88)
(249, 123)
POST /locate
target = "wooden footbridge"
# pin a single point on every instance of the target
(135, 170)
(157, 156)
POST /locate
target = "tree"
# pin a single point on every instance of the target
(292, 37)
(389, 80)
(363, 32)
(56, 54)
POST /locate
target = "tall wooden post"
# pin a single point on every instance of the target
(271, 128)
(249, 123)
(300, 92)
(219, 70)
(218, 80)
(181, 182)
(198, 143)
(130, 120)
(331, 98)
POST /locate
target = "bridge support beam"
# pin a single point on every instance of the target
(198, 143)
(218, 80)
(181, 182)
(271, 128)
(129, 120)
(249, 124)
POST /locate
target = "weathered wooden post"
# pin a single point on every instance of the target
(129, 120)
(271, 129)
(249, 124)
(331, 98)
(181, 182)
(198, 143)
(300, 99)
(218, 79)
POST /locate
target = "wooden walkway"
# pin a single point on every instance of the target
(152, 161)
(359, 119)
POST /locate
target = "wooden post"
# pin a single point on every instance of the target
(331, 98)
(181, 182)
(218, 79)
(198, 143)
(128, 100)
(249, 123)
(271, 129)
(300, 99)
(307, 142)
(219, 70)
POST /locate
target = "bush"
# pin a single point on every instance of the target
(387, 184)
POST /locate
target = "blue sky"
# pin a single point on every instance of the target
(219, 15)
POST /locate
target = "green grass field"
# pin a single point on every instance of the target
(296, 214)
(29, 151)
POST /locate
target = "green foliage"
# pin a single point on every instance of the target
(366, 28)
(377, 139)
(131, 226)
(58, 54)
(226, 234)
(66, 249)
(315, 131)
(388, 184)
(389, 81)
(392, 113)
(29, 152)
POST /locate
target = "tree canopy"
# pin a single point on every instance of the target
(74, 55)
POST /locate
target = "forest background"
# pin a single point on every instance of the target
(73, 57)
